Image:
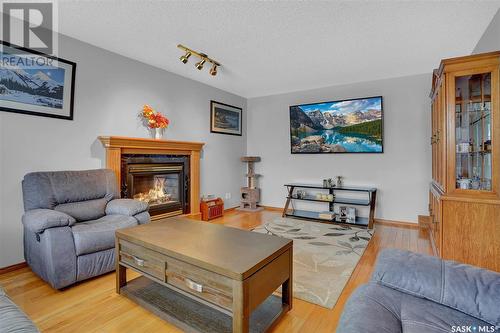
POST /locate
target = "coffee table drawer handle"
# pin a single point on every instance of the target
(138, 262)
(193, 285)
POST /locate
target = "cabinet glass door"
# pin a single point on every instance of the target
(473, 132)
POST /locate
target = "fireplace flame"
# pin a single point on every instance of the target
(155, 195)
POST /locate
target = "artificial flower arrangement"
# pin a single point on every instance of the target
(154, 120)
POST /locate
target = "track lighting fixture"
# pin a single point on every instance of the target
(185, 57)
(203, 59)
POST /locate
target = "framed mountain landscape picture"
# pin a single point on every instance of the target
(346, 126)
(225, 119)
(34, 83)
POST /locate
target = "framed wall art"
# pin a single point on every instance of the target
(225, 119)
(35, 83)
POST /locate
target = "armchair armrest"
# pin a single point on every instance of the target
(38, 220)
(127, 207)
(465, 288)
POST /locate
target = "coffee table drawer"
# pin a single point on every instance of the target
(145, 260)
(201, 283)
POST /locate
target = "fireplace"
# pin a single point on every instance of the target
(124, 151)
(160, 180)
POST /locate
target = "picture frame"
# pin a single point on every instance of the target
(343, 213)
(225, 119)
(35, 83)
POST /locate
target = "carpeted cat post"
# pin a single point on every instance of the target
(250, 195)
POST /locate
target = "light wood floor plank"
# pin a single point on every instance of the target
(93, 306)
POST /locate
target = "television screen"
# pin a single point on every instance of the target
(348, 126)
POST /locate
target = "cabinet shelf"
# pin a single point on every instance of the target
(335, 188)
(346, 201)
(475, 152)
(311, 215)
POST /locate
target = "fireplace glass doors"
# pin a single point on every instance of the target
(155, 184)
(162, 183)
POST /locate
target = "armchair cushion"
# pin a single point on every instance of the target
(99, 235)
(84, 210)
(465, 288)
(48, 189)
(37, 220)
(143, 217)
(127, 207)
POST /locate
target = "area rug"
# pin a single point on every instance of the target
(324, 256)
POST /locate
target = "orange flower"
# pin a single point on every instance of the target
(152, 118)
(147, 111)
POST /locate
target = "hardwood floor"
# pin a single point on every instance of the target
(93, 305)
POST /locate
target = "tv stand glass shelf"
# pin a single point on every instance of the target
(368, 201)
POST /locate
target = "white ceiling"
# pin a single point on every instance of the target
(274, 47)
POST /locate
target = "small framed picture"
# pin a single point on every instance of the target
(225, 119)
(343, 213)
(351, 214)
(35, 83)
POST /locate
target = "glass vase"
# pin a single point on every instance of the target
(158, 133)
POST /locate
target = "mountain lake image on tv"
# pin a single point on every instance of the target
(348, 126)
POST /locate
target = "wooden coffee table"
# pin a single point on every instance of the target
(204, 277)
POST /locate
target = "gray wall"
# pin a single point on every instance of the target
(490, 41)
(401, 173)
(109, 92)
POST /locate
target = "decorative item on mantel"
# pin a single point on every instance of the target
(154, 121)
(250, 195)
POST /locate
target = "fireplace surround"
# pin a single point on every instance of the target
(151, 170)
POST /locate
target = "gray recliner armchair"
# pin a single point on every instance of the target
(70, 221)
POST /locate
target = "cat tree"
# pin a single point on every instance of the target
(250, 195)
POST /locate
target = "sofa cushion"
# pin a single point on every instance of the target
(84, 210)
(421, 315)
(12, 319)
(468, 289)
(375, 308)
(98, 235)
(371, 309)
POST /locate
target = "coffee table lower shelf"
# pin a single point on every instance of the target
(193, 316)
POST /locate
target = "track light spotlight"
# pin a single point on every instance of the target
(185, 57)
(213, 70)
(199, 64)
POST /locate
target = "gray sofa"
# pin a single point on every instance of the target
(12, 319)
(70, 221)
(414, 293)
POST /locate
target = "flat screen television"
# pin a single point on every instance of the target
(347, 126)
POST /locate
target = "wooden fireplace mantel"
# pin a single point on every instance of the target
(118, 145)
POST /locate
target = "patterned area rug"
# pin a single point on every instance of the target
(324, 256)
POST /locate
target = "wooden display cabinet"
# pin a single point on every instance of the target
(464, 197)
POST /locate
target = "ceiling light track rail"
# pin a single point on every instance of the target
(203, 59)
